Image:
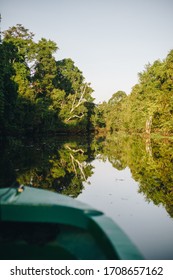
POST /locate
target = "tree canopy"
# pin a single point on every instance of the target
(38, 93)
(149, 107)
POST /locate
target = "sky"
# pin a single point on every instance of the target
(110, 41)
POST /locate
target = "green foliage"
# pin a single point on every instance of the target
(117, 98)
(1, 85)
(37, 93)
(68, 78)
(149, 107)
(44, 68)
(110, 115)
(40, 94)
(77, 93)
(99, 116)
(115, 110)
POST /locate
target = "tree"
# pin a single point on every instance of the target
(117, 97)
(37, 93)
(1, 85)
(70, 80)
(44, 67)
(8, 88)
(114, 111)
(99, 116)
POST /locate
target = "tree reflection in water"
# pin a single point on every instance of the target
(64, 165)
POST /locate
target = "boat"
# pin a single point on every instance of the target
(39, 224)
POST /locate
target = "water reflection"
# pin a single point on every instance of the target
(57, 164)
(63, 165)
(150, 162)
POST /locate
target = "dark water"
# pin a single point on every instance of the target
(129, 178)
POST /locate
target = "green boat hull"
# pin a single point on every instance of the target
(39, 224)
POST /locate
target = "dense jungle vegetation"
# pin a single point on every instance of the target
(41, 95)
(148, 108)
(37, 93)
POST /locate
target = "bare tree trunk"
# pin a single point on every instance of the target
(148, 125)
(148, 146)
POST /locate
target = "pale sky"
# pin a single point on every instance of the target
(110, 41)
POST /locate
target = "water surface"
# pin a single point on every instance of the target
(129, 178)
(116, 194)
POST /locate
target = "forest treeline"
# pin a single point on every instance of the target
(148, 108)
(39, 94)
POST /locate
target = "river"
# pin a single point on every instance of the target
(129, 178)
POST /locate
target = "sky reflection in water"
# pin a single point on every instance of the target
(116, 193)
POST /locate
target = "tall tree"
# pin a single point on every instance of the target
(70, 80)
